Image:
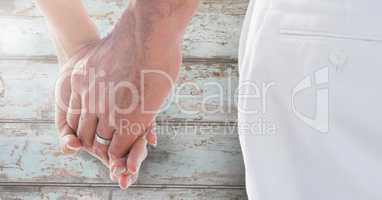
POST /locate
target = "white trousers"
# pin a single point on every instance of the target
(310, 99)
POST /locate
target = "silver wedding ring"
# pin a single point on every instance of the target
(102, 140)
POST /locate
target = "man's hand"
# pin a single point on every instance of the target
(120, 83)
(67, 121)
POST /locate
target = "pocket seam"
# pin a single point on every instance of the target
(330, 35)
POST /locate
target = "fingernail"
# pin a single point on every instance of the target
(73, 148)
(124, 182)
(155, 144)
(124, 186)
(155, 140)
(118, 171)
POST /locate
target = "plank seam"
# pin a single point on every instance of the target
(113, 185)
(159, 122)
(53, 59)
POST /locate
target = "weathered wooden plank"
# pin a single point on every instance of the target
(186, 155)
(214, 31)
(55, 193)
(184, 194)
(27, 92)
(107, 8)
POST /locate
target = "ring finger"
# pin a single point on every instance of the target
(104, 135)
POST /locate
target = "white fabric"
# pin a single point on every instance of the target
(310, 99)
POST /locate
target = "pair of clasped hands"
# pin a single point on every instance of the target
(110, 89)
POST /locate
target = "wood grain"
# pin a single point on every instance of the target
(184, 194)
(27, 92)
(198, 155)
(214, 31)
(107, 8)
(52, 193)
(186, 155)
(44, 193)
